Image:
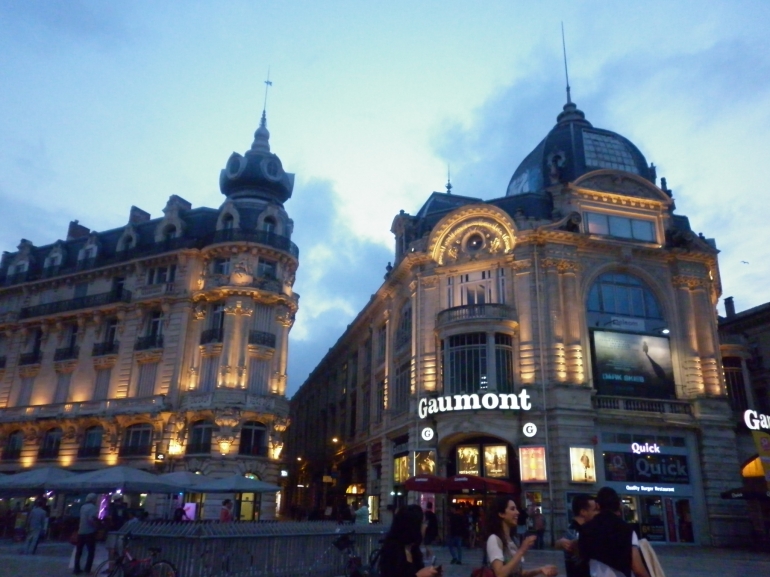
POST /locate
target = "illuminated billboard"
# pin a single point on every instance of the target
(468, 460)
(495, 461)
(401, 469)
(582, 464)
(633, 365)
(425, 463)
(532, 464)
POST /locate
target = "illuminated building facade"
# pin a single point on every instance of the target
(560, 338)
(159, 344)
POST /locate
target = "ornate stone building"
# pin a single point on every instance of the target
(558, 338)
(162, 342)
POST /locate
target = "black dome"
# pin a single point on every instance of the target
(258, 173)
(573, 148)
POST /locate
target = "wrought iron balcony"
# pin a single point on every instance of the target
(85, 452)
(252, 451)
(642, 405)
(106, 348)
(488, 311)
(149, 342)
(127, 406)
(32, 358)
(78, 303)
(211, 336)
(262, 338)
(257, 236)
(66, 353)
(135, 450)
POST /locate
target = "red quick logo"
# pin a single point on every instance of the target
(646, 448)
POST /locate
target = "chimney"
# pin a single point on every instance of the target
(137, 215)
(729, 307)
(76, 230)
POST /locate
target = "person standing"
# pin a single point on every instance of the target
(505, 557)
(538, 524)
(458, 529)
(226, 512)
(400, 555)
(584, 509)
(431, 528)
(362, 514)
(35, 525)
(608, 544)
(89, 523)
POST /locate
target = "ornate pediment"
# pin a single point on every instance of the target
(471, 233)
(617, 183)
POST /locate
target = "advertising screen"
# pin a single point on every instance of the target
(633, 365)
(532, 464)
(468, 460)
(425, 463)
(582, 464)
(646, 468)
(495, 461)
(401, 469)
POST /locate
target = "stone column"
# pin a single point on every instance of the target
(688, 340)
(523, 279)
(572, 309)
(557, 361)
(705, 319)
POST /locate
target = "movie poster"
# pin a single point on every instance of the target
(425, 463)
(582, 464)
(633, 365)
(401, 469)
(495, 461)
(532, 464)
(468, 460)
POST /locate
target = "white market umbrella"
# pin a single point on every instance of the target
(33, 480)
(186, 480)
(236, 484)
(127, 479)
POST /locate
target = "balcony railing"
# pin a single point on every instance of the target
(262, 338)
(211, 336)
(135, 450)
(642, 405)
(259, 237)
(489, 311)
(85, 452)
(149, 342)
(67, 353)
(128, 406)
(255, 451)
(106, 348)
(32, 358)
(89, 301)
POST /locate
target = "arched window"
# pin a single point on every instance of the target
(13, 446)
(253, 439)
(49, 449)
(137, 441)
(169, 232)
(92, 442)
(200, 438)
(228, 222)
(623, 294)
(269, 225)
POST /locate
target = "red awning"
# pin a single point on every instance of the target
(426, 484)
(458, 483)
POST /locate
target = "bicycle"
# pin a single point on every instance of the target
(354, 566)
(126, 565)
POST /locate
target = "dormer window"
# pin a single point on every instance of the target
(169, 233)
(269, 225)
(620, 226)
(52, 261)
(228, 222)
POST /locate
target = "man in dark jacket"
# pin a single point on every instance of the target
(431, 529)
(458, 531)
(584, 508)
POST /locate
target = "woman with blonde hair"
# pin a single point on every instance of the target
(505, 556)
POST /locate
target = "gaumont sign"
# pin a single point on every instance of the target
(756, 421)
(488, 401)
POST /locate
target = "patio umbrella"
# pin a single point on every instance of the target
(235, 484)
(128, 479)
(185, 479)
(34, 480)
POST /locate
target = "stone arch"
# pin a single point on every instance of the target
(128, 239)
(448, 242)
(278, 218)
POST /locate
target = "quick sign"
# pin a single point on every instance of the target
(646, 468)
(638, 449)
(488, 401)
(756, 421)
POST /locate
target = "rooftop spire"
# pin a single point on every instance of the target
(262, 135)
(448, 180)
(566, 73)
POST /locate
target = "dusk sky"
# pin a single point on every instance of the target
(111, 104)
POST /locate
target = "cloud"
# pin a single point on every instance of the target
(337, 274)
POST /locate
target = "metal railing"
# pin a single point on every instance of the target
(254, 549)
(211, 336)
(121, 296)
(262, 338)
(105, 348)
(128, 406)
(66, 353)
(149, 342)
(489, 311)
(259, 237)
(642, 405)
(32, 358)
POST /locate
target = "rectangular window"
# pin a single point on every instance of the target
(620, 226)
(63, 381)
(263, 318)
(209, 373)
(466, 360)
(111, 331)
(266, 269)
(736, 388)
(366, 409)
(382, 399)
(401, 388)
(26, 385)
(146, 381)
(222, 266)
(155, 327)
(381, 343)
(259, 376)
(102, 384)
(500, 285)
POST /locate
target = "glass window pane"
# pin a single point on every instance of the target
(637, 302)
(597, 223)
(623, 300)
(620, 226)
(608, 299)
(643, 230)
(593, 299)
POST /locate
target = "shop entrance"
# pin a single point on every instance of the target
(660, 519)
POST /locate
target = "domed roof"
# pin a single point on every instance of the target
(258, 173)
(573, 148)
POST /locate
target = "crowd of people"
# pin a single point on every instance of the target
(597, 543)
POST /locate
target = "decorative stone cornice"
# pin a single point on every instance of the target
(148, 356)
(63, 367)
(691, 282)
(29, 371)
(561, 265)
(239, 310)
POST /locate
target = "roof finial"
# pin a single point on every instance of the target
(268, 84)
(448, 180)
(262, 136)
(566, 73)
